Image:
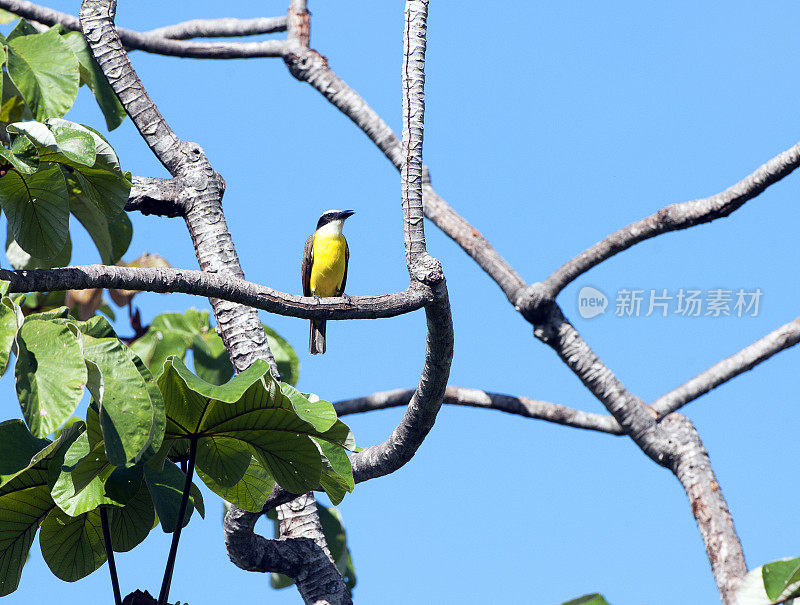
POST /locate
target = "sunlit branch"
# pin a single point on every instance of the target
(517, 405)
(776, 341)
(222, 287)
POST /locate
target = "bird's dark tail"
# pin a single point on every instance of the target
(316, 336)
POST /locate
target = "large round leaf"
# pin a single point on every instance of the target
(72, 547)
(50, 374)
(46, 72)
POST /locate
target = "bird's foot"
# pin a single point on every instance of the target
(347, 298)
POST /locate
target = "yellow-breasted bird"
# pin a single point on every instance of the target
(324, 270)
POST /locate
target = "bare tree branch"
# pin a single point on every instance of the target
(220, 28)
(223, 287)
(290, 555)
(677, 216)
(520, 406)
(173, 44)
(776, 341)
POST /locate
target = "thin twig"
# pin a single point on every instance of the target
(476, 398)
(776, 341)
(112, 566)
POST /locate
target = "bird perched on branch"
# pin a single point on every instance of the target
(324, 270)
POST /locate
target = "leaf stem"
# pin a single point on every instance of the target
(173, 549)
(112, 566)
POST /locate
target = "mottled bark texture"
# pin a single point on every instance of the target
(221, 286)
(201, 190)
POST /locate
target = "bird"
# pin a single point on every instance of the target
(324, 271)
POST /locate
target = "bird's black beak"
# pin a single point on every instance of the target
(347, 213)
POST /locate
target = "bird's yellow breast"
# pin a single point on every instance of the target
(327, 269)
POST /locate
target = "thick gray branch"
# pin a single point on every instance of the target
(520, 406)
(776, 341)
(677, 216)
(690, 464)
(416, 14)
(292, 555)
(223, 287)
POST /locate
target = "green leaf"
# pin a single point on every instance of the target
(24, 502)
(50, 374)
(13, 107)
(22, 155)
(337, 472)
(131, 524)
(79, 486)
(166, 488)
(335, 536)
(781, 579)
(103, 183)
(249, 492)
(311, 408)
(46, 72)
(111, 236)
(92, 76)
(21, 260)
(72, 547)
(169, 334)
(126, 410)
(249, 408)
(211, 360)
(37, 207)
(23, 28)
(17, 447)
(76, 143)
(285, 356)
(589, 599)
(11, 318)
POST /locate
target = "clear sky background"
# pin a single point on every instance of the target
(548, 126)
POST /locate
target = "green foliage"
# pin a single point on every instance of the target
(248, 432)
(776, 582)
(250, 416)
(52, 167)
(58, 167)
(175, 334)
(46, 70)
(589, 599)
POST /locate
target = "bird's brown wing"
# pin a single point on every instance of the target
(308, 259)
(346, 262)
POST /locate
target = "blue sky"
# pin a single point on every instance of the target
(548, 126)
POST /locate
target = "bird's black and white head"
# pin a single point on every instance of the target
(332, 221)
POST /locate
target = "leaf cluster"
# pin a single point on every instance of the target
(249, 431)
(50, 167)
